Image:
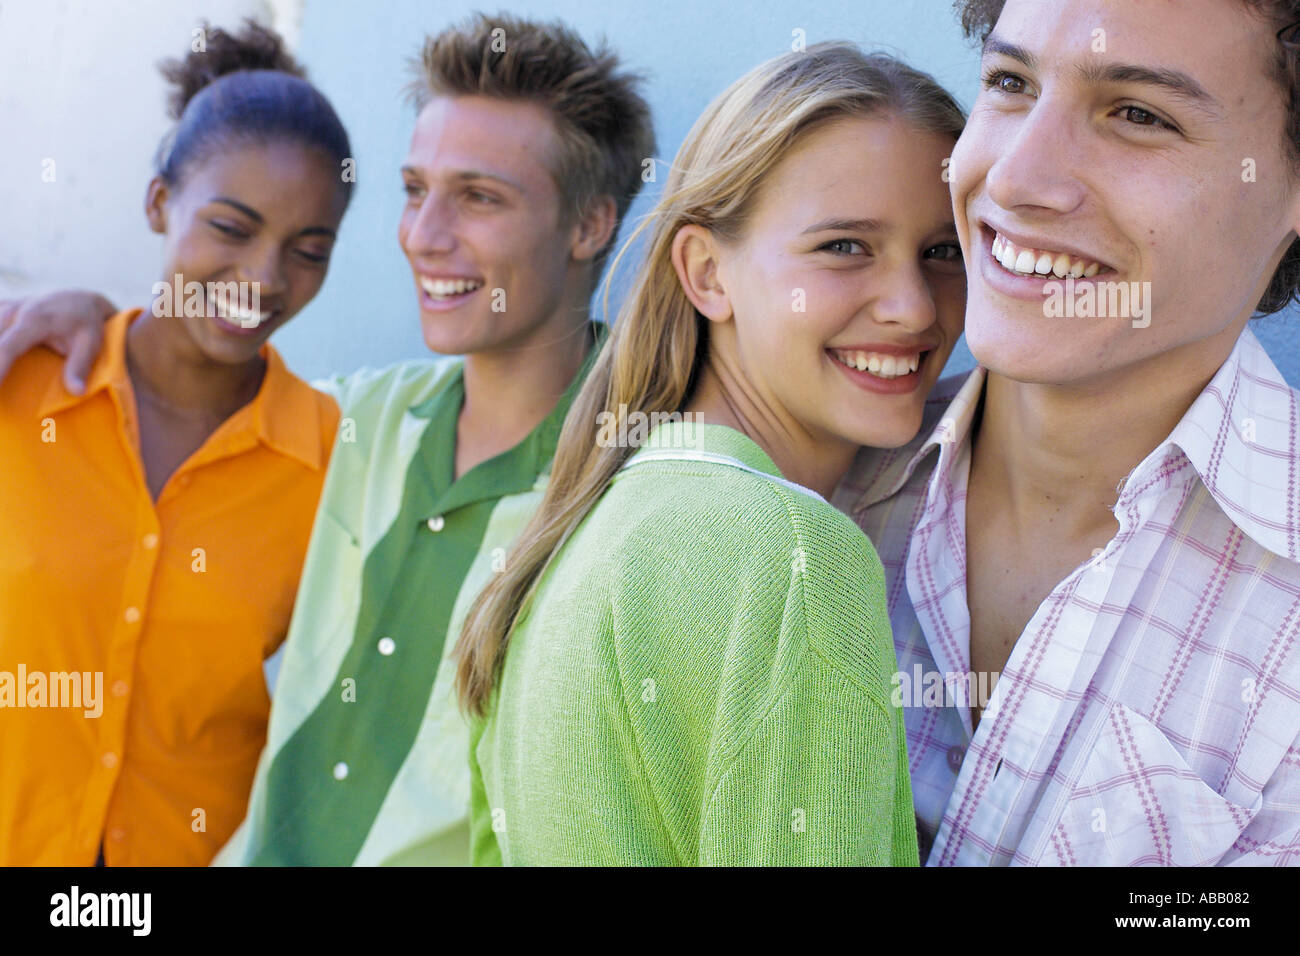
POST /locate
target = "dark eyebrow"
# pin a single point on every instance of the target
(845, 225)
(1176, 82)
(254, 215)
(251, 213)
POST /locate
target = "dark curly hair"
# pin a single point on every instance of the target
(978, 18)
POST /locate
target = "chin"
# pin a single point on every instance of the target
(893, 433)
(1021, 351)
(448, 336)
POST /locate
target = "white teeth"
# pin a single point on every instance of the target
(245, 318)
(445, 288)
(1035, 262)
(882, 366)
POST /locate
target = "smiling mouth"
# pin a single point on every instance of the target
(246, 319)
(1042, 263)
(444, 290)
(877, 363)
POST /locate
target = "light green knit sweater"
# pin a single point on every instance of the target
(703, 678)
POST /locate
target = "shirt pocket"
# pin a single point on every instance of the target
(1138, 803)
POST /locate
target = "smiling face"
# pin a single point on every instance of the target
(265, 214)
(483, 226)
(847, 288)
(1121, 142)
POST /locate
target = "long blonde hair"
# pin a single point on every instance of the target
(659, 342)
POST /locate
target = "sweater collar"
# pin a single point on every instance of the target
(713, 439)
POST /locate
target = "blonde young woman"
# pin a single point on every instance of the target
(687, 658)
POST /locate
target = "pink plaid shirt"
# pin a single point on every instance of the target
(1150, 711)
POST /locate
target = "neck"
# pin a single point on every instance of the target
(508, 392)
(1058, 455)
(723, 397)
(163, 361)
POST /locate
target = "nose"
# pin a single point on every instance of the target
(1037, 167)
(264, 270)
(429, 229)
(904, 298)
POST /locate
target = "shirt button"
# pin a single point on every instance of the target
(117, 834)
(955, 756)
(436, 523)
(150, 542)
(109, 760)
(387, 645)
(132, 615)
(120, 688)
(340, 770)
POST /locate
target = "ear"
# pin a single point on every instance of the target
(696, 256)
(155, 205)
(595, 230)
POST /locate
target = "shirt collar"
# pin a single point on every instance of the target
(108, 372)
(1240, 435)
(879, 473)
(516, 470)
(286, 412)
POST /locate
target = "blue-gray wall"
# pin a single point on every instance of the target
(688, 50)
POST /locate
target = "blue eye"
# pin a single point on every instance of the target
(842, 247)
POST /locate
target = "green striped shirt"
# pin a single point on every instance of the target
(366, 755)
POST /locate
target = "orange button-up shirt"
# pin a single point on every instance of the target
(164, 611)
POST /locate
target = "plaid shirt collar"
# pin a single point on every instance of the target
(1239, 435)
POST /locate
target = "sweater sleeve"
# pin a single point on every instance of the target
(484, 850)
(822, 777)
(754, 655)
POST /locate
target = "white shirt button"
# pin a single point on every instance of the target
(109, 760)
(132, 615)
(120, 688)
(340, 770)
(387, 645)
(150, 542)
(436, 523)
